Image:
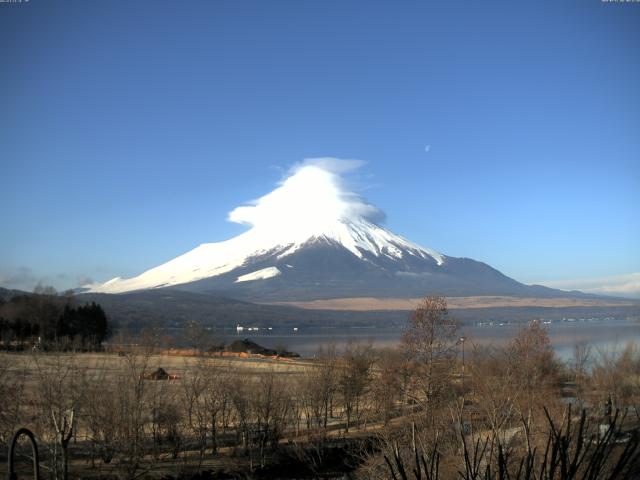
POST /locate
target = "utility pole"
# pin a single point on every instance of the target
(462, 340)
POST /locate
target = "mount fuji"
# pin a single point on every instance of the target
(313, 238)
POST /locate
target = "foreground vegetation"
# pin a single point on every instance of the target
(436, 407)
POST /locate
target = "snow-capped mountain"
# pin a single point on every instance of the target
(313, 238)
(363, 240)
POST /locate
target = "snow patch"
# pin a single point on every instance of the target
(265, 273)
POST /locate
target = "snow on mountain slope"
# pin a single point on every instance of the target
(311, 205)
(213, 259)
(261, 274)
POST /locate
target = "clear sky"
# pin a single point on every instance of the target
(508, 132)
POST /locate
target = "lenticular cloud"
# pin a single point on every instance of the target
(314, 192)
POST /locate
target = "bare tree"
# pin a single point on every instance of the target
(431, 340)
(164, 418)
(240, 400)
(391, 381)
(194, 401)
(101, 416)
(616, 375)
(65, 430)
(493, 377)
(580, 368)
(216, 399)
(271, 407)
(536, 371)
(320, 387)
(130, 400)
(354, 377)
(61, 385)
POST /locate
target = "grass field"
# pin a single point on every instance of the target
(378, 304)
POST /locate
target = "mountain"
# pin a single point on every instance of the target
(311, 238)
(349, 259)
(7, 294)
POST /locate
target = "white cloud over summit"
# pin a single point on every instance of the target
(313, 191)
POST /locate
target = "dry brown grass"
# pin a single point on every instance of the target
(372, 304)
(175, 364)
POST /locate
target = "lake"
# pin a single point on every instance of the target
(607, 334)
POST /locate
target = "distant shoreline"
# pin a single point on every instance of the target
(363, 304)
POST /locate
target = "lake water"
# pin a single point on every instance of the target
(609, 334)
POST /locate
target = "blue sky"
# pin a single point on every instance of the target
(508, 132)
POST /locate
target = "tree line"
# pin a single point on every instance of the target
(49, 320)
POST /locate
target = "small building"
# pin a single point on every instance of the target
(160, 374)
